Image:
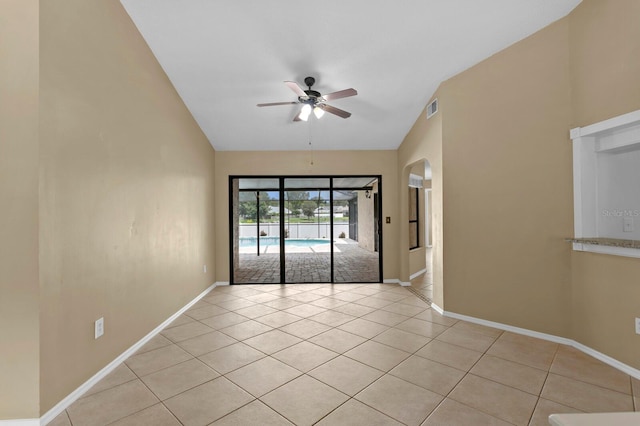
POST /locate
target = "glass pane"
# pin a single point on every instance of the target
(259, 183)
(256, 237)
(306, 183)
(355, 231)
(413, 204)
(353, 182)
(307, 243)
(413, 234)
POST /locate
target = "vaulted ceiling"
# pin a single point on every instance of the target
(226, 56)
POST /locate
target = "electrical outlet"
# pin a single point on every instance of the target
(99, 327)
(627, 224)
(637, 325)
(204, 269)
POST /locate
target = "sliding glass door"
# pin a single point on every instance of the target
(308, 240)
(355, 230)
(292, 229)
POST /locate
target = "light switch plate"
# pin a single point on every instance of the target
(627, 224)
(99, 327)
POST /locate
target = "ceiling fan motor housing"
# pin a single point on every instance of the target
(313, 95)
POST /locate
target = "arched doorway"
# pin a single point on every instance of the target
(420, 228)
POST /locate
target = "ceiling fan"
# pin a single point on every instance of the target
(314, 101)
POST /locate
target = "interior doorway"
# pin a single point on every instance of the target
(303, 229)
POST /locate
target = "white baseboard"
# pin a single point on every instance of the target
(437, 308)
(417, 274)
(396, 281)
(220, 283)
(76, 394)
(607, 360)
(506, 327)
(20, 422)
(627, 369)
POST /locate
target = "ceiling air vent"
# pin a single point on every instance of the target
(432, 108)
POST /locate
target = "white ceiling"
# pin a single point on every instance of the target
(226, 56)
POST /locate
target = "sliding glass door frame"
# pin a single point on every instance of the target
(281, 202)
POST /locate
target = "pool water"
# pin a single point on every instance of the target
(288, 242)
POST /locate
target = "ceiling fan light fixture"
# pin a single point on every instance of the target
(318, 112)
(305, 112)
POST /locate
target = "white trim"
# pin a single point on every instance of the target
(20, 422)
(396, 281)
(76, 394)
(437, 308)
(577, 186)
(506, 327)
(417, 274)
(221, 283)
(627, 369)
(601, 126)
(612, 250)
(607, 359)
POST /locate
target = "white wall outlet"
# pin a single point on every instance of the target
(204, 269)
(627, 224)
(637, 325)
(99, 327)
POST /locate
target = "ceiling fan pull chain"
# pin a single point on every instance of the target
(310, 145)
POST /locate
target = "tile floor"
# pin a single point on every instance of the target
(344, 354)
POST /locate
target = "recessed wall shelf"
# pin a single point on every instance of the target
(606, 186)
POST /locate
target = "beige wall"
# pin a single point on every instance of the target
(507, 185)
(423, 142)
(417, 260)
(19, 213)
(506, 166)
(605, 75)
(299, 163)
(126, 201)
(605, 60)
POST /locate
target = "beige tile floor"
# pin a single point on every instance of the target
(344, 354)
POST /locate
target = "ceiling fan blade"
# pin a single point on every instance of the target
(277, 103)
(296, 89)
(297, 117)
(340, 94)
(335, 111)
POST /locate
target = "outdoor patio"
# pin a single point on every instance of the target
(308, 264)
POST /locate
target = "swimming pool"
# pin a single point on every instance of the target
(288, 242)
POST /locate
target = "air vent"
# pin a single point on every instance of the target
(432, 108)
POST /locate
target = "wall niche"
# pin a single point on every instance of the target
(606, 186)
